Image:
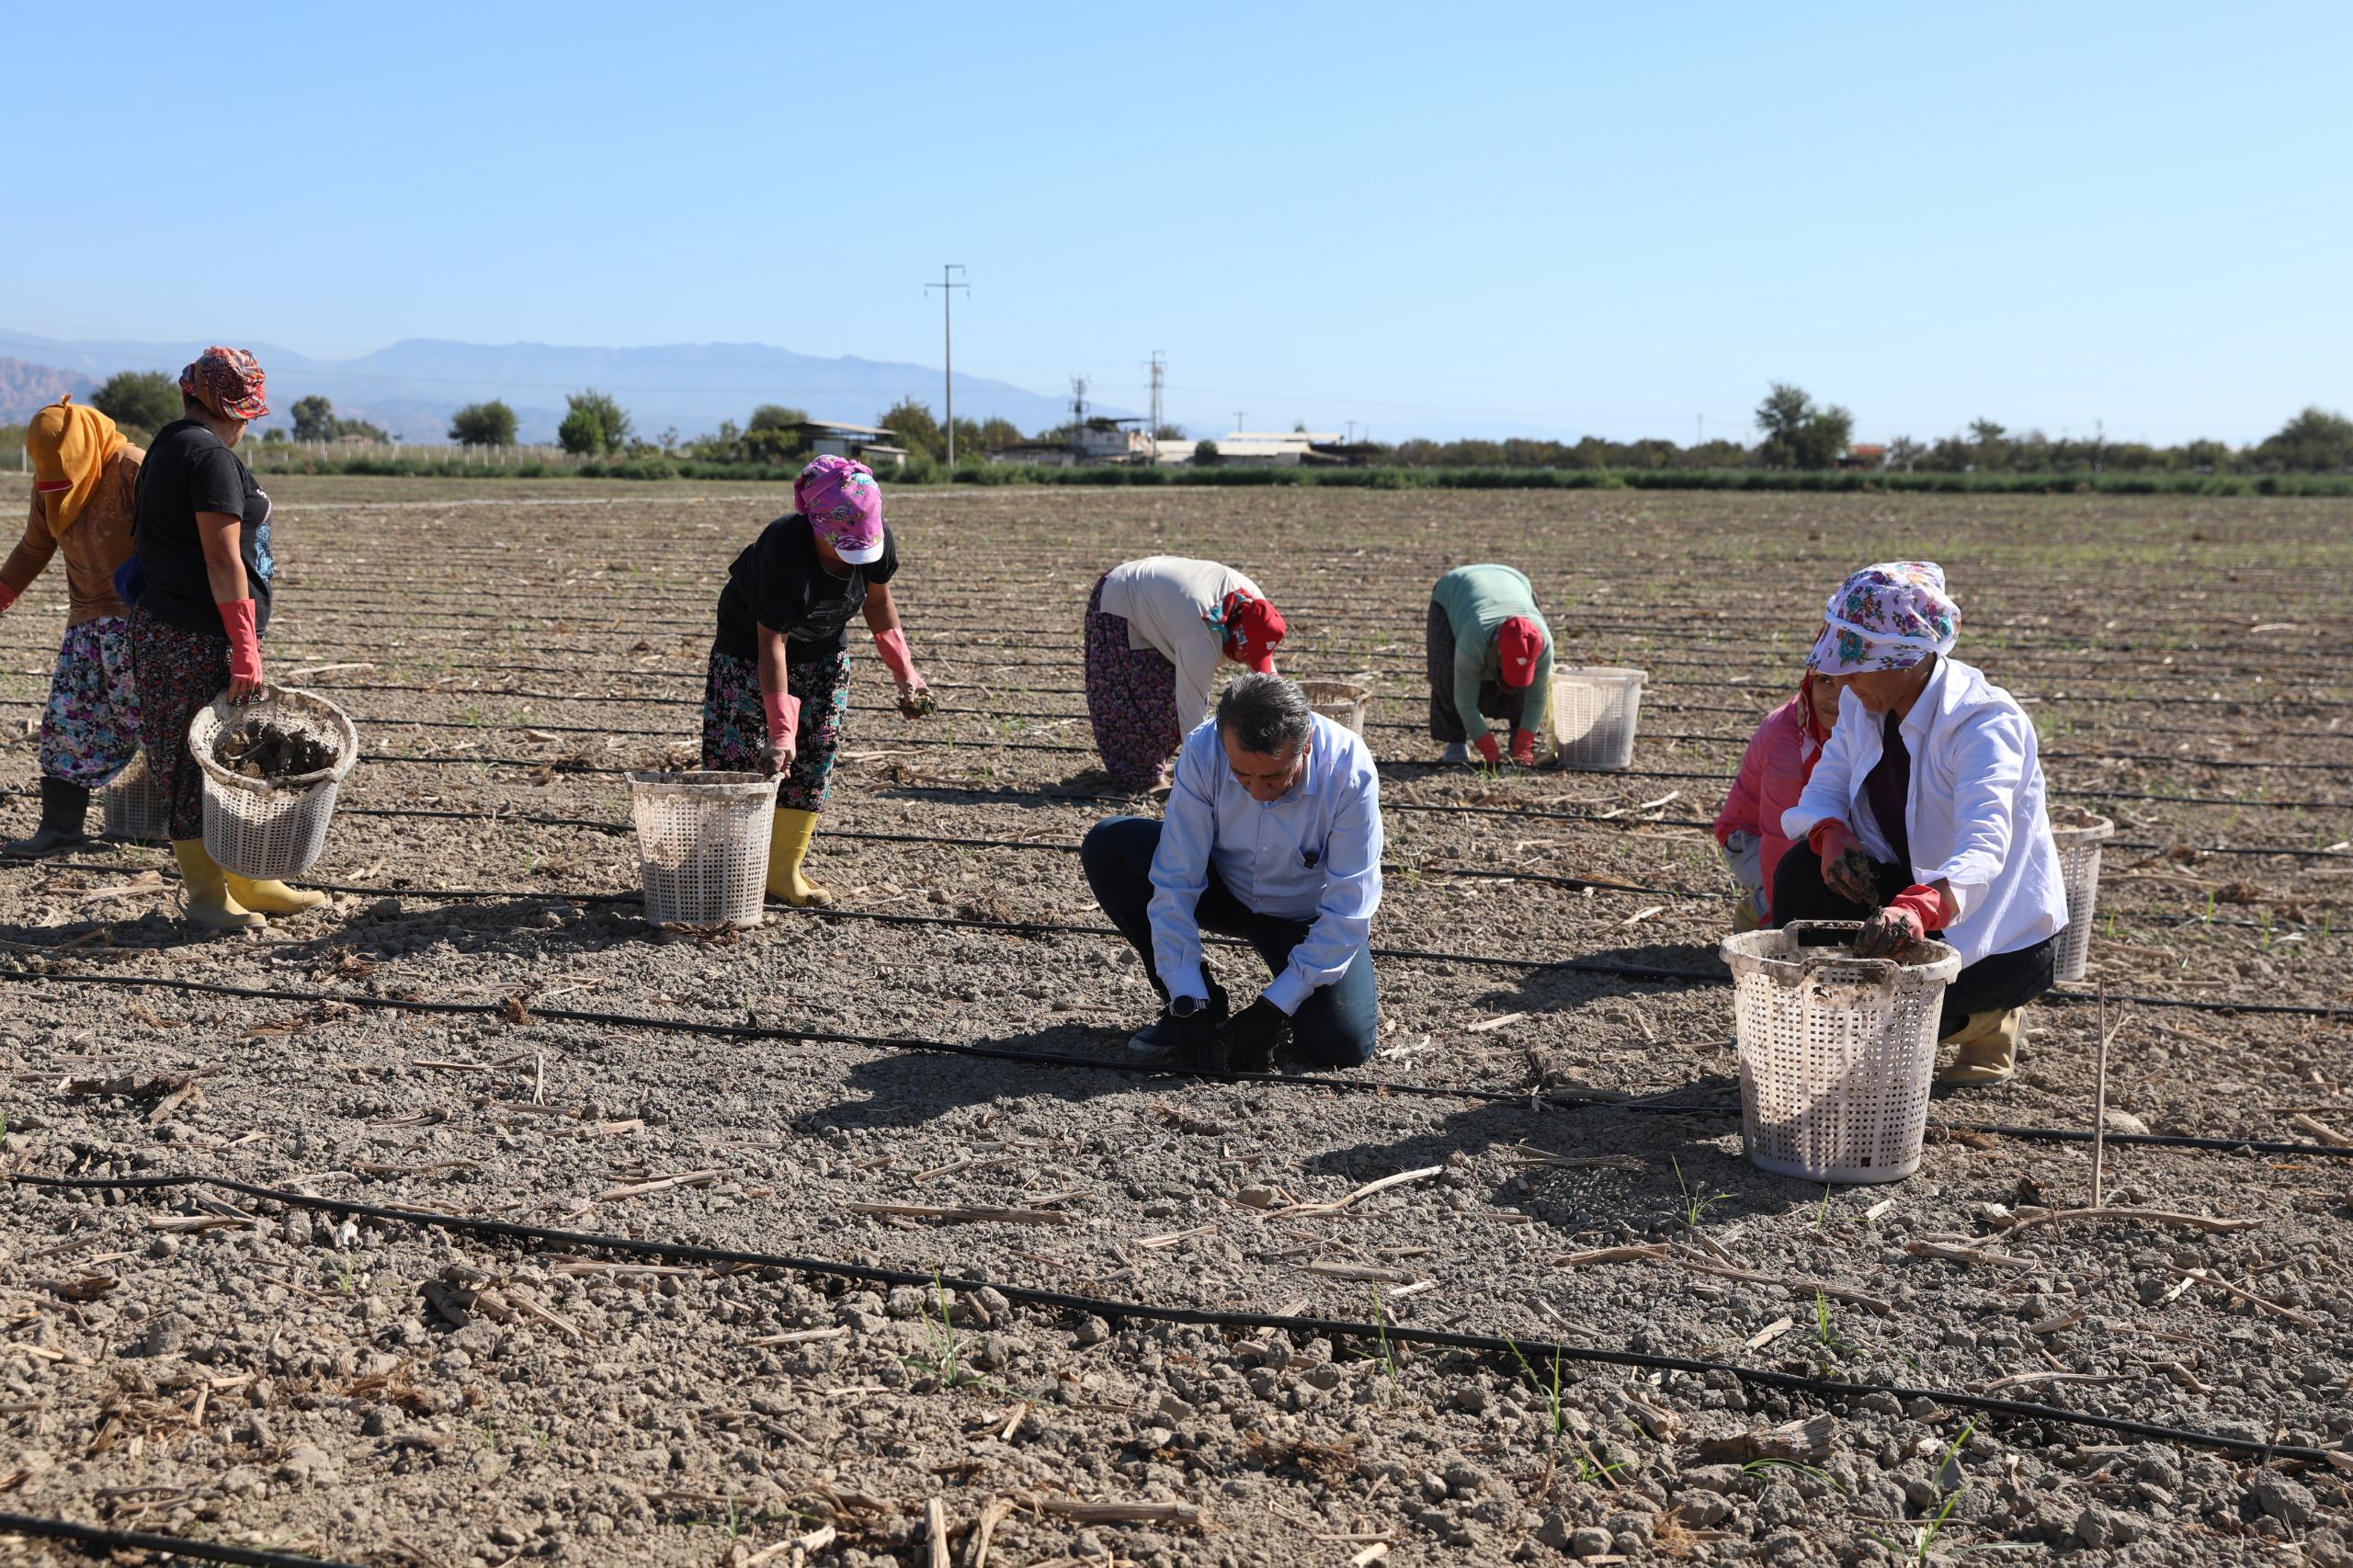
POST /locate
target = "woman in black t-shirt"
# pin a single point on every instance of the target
(778, 682)
(201, 541)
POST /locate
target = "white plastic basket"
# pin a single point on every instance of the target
(1342, 701)
(271, 827)
(2079, 869)
(133, 805)
(1836, 1052)
(1593, 709)
(703, 845)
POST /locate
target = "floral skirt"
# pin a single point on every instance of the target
(1130, 697)
(735, 724)
(90, 730)
(178, 672)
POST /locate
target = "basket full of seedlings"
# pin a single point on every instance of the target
(271, 770)
(1837, 1052)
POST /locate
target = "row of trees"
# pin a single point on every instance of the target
(1795, 431)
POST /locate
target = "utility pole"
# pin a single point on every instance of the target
(1158, 366)
(1239, 416)
(948, 287)
(1078, 415)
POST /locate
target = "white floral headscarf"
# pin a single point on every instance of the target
(1887, 617)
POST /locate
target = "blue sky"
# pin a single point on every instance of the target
(1544, 218)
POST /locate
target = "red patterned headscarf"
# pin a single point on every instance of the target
(229, 381)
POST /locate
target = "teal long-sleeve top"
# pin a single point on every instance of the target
(1477, 601)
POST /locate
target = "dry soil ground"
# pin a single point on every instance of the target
(207, 1364)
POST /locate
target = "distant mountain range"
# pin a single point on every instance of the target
(25, 387)
(412, 387)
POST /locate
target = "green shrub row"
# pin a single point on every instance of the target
(921, 470)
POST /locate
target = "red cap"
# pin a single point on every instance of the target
(1253, 627)
(1519, 644)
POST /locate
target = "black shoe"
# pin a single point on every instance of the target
(1179, 1038)
(64, 810)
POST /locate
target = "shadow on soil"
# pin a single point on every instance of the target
(1686, 1161)
(915, 1088)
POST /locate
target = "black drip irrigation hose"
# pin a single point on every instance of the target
(1504, 1350)
(99, 1537)
(1653, 1105)
(1425, 766)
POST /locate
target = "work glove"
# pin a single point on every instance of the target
(1846, 869)
(1523, 748)
(244, 650)
(1250, 1039)
(784, 733)
(1490, 750)
(914, 697)
(1194, 1023)
(1902, 926)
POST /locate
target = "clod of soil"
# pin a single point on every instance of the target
(260, 749)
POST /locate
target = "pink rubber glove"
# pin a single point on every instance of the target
(8, 595)
(1903, 925)
(1523, 748)
(244, 650)
(915, 698)
(1846, 869)
(784, 731)
(1490, 750)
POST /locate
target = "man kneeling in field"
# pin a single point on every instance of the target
(1272, 835)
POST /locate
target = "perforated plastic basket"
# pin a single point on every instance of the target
(134, 807)
(703, 845)
(1836, 1052)
(271, 827)
(2079, 868)
(1593, 713)
(1342, 701)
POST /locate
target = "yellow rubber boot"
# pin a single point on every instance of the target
(208, 904)
(788, 846)
(1986, 1049)
(272, 897)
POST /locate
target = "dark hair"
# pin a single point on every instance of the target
(1265, 714)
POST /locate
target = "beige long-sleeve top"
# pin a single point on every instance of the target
(97, 544)
(1165, 599)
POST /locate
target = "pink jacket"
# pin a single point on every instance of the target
(1773, 774)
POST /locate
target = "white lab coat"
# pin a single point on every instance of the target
(1975, 815)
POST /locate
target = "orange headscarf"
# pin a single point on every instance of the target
(69, 443)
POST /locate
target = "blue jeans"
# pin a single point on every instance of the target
(1335, 1027)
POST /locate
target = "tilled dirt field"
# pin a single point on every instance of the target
(208, 1364)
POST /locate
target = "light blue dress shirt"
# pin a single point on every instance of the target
(1313, 855)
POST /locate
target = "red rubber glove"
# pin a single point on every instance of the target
(244, 650)
(914, 697)
(1523, 748)
(8, 595)
(1490, 750)
(1903, 925)
(1846, 869)
(784, 732)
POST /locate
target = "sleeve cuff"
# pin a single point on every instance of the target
(1286, 991)
(1186, 980)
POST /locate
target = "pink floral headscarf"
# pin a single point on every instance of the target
(1887, 617)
